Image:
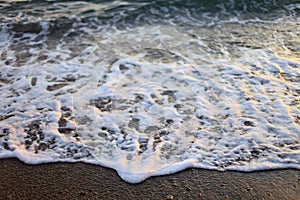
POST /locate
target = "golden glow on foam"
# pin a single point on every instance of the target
(281, 52)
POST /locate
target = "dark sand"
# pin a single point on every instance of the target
(84, 181)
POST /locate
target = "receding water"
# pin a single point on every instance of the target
(151, 87)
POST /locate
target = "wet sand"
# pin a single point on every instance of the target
(85, 181)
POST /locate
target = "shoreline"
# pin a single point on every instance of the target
(87, 181)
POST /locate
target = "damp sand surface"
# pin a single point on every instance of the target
(74, 181)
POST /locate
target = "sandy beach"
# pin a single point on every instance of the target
(150, 86)
(85, 181)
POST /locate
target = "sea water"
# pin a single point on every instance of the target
(151, 87)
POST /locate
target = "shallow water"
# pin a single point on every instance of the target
(151, 88)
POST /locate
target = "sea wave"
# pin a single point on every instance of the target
(151, 87)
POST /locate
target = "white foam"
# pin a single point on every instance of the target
(153, 99)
